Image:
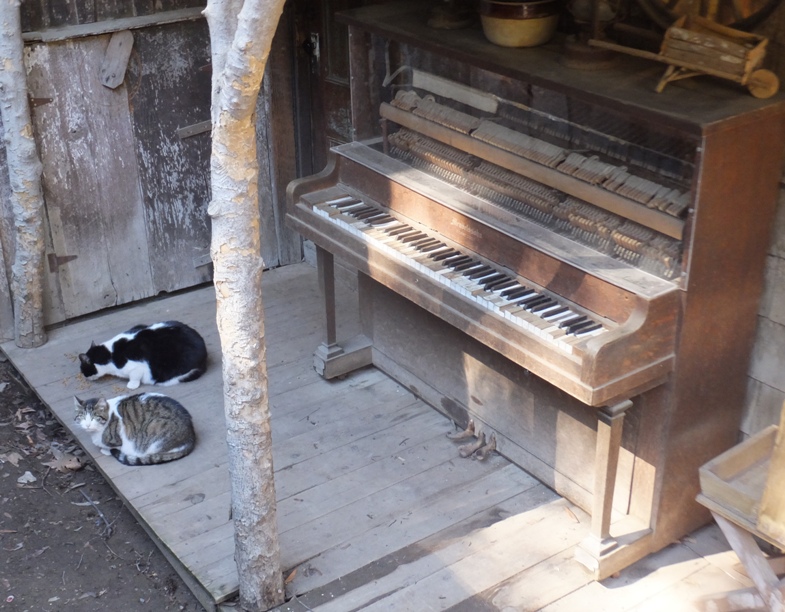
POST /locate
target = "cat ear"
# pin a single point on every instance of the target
(84, 358)
(77, 402)
(93, 344)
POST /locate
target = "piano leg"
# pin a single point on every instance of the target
(330, 359)
(599, 543)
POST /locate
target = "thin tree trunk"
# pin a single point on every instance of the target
(24, 168)
(239, 56)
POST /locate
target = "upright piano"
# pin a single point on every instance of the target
(563, 257)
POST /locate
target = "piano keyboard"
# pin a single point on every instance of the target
(478, 280)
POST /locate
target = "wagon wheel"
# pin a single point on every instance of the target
(739, 14)
(763, 83)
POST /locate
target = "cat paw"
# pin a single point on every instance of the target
(106, 451)
(133, 384)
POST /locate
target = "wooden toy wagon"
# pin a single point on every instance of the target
(695, 46)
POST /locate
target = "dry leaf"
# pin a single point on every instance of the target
(291, 576)
(64, 462)
(12, 458)
(26, 478)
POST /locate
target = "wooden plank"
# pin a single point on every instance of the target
(771, 517)
(711, 41)
(518, 542)
(174, 173)
(114, 25)
(397, 529)
(311, 490)
(116, 59)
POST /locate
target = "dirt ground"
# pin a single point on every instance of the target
(67, 541)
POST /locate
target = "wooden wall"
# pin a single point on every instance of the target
(766, 390)
(126, 170)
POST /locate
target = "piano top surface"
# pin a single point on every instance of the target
(694, 106)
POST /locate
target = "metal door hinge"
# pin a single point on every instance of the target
(55, 261)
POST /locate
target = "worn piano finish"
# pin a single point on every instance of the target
(618, 420)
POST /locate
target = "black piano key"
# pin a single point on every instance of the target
(590, 328)
(380, 220)
(578, 326)
(569, 323)
(399, 230)
(460, 257)
(555, 313)
(436, 245)
(404, 235)
(360, 210)
(369, 214)
(532, 299)
(485, 270)
(347, 204)
(514, 294)
(542, 299)
(413, 237)
(490, 281)
(501, 285)
(465, 266)
(540, 307)
(456, 261)
(424, 242)
(446, 254)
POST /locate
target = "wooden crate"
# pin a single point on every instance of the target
(703, 44)
(736, 479)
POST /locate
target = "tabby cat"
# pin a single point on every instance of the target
(160, 354)
(140, 429)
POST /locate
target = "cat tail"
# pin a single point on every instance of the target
(192, 375)
(151, 459)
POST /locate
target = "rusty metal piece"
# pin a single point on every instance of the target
(481, 454)
(467, 450)
(463, 435)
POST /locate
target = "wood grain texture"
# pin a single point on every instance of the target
(94, 203)
(169, 90)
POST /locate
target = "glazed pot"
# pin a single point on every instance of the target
(519, 24)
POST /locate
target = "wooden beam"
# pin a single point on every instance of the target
(113, 25)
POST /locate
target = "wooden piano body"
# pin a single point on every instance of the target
(620, 420)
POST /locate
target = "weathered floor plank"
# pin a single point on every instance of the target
(376, 510)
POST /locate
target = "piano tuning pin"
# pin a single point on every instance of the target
(467, 450)
(481, 454)
(465, 434)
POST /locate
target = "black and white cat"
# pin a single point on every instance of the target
(164, 353)
(138, 429)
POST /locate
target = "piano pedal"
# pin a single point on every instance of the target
(463, 435)
(481, 454)
(467, 450)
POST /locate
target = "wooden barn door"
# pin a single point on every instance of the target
(98, 254)
(126, 170)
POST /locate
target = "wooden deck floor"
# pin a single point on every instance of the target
(376, 509)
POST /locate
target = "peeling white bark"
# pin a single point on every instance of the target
(24, 168)
(241, 34)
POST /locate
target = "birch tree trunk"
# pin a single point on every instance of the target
(241, 34)
(24, 168)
